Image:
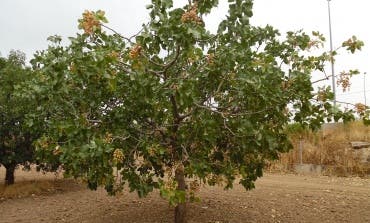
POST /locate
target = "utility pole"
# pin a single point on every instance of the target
(301, 150)
(331, 59)
(365, 88)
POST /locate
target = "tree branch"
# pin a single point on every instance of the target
(322, 79)
(168, 65)
(117, 33)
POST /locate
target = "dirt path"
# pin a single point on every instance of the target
(277, 198)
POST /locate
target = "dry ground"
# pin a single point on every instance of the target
(277, 198)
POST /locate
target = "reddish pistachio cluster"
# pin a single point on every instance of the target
(321, 96)
(344, 81)
(192, 16)
(89, 22)
(360, 108)
(135, 51)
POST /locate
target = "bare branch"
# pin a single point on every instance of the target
(153, 62)
(322, 79)
(117, 33)
(133, 36)
(168, 65)
(343, 102)
(175, 110)
(120, 138)
(125, 67)
(95, 121)
(228, 129)
(185, 152)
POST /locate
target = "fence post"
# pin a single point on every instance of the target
(300, 149)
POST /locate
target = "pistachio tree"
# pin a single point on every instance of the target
(176, 106)
(15, 137)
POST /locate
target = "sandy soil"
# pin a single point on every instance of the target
(277, 198)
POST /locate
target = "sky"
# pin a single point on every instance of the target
(25, 25)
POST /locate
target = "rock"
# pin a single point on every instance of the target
(359, 144)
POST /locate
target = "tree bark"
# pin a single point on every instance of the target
(9, 175)
(180, 210)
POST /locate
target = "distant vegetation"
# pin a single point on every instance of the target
(330, 147)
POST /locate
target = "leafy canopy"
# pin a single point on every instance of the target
(177, 98)
(15, 137)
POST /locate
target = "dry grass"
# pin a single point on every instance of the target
(31, 183)
(329, 147)
(38, 187)
(26, 188)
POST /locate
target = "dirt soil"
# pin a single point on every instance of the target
(277, 198)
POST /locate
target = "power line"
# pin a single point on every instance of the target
(353, 92)
(331, 53)
(365, 88)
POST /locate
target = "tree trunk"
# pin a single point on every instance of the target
(180, 210)
(9, 175)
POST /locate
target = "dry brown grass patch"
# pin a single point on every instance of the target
(329, 148)
(38, 187)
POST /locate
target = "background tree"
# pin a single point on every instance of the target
(15, 138)
(176, 106)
